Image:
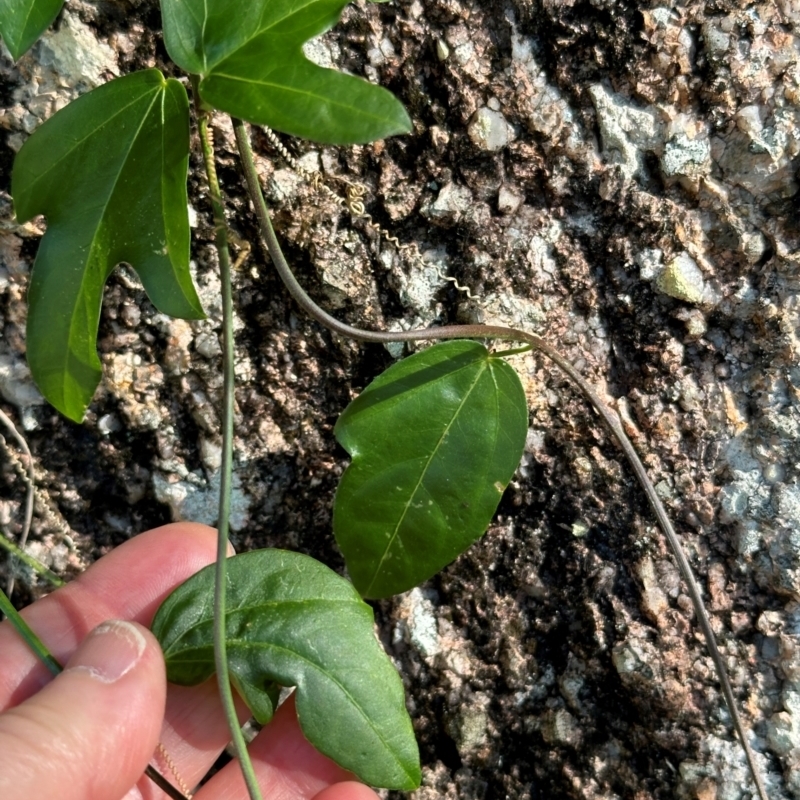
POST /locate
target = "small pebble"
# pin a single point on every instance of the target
(682, 279)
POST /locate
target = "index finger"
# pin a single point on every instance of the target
(129, 583)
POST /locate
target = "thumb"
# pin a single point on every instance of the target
(88, 734)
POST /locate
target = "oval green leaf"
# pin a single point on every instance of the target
(435, 440)
(292, 621)
(250, 56)
(109, 172)
(22, 22)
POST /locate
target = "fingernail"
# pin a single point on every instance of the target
(133, 794)
(110, 651)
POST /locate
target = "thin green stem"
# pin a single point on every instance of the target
(513, 351)
(226, 467)
(25, 631)
(30, 561)
(497, 332)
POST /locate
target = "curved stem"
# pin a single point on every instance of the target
(220, 643)
(507, 334)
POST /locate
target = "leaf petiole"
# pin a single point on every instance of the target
(512, 351)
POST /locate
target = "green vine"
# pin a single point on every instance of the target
(245, 58)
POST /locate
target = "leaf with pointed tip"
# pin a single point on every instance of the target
(292, 621)
(249, 54)
(109, 172)
(435, 440)
(22, 22)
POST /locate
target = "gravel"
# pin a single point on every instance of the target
(622, 180)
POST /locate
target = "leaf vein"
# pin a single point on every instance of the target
(338, 683)
(82, 294)
(289, 89)
(423, 472)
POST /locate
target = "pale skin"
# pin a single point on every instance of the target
(89, 733)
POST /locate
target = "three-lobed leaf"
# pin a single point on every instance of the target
(109, 172)
(291, 621)
(22, 22)
(434, 440)
(249, 54)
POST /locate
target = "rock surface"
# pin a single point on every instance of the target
(622, 179)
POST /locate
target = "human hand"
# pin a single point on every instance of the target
(89, 733)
